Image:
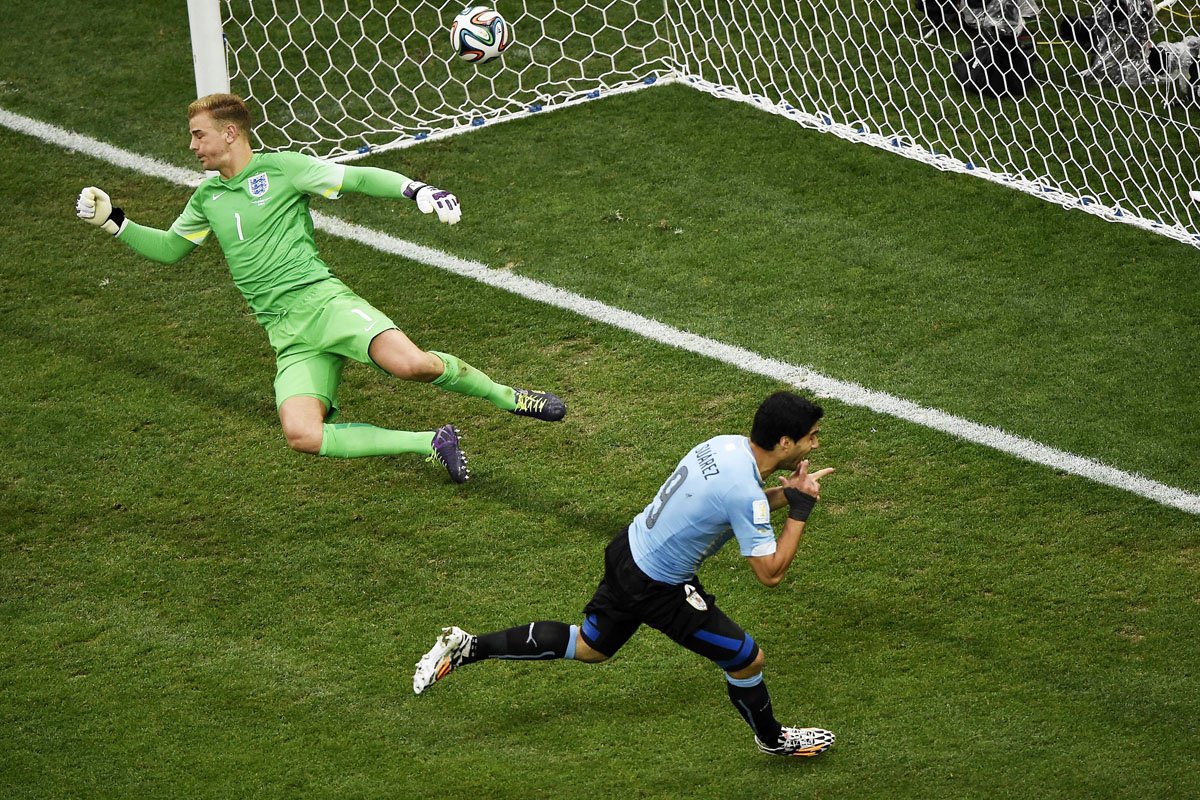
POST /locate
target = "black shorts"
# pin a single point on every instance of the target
(627, 597)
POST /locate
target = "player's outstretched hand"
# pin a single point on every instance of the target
(430, 199)
(802, 480)
(94, 206)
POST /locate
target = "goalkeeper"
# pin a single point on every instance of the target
(257, 207)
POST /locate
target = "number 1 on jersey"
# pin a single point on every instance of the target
(238, 219)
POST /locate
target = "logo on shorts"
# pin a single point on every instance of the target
(694, 599)
(258, 184)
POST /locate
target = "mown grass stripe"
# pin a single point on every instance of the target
(799, 376)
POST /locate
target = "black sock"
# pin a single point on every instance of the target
(537, 641)
(754, 704)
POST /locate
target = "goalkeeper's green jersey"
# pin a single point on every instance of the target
(260, 217)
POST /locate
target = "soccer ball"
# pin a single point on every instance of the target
(479, 34)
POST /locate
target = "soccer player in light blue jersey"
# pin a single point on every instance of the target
(715, 494)
(257, 208)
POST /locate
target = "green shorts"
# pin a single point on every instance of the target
(324, 325)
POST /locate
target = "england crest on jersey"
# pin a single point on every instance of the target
(258, 184)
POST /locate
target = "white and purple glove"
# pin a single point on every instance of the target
(95, 207)
(430, 199)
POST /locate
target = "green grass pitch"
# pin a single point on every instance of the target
(188, 609)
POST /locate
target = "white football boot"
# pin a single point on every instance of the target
(800, 742)
(446, 654)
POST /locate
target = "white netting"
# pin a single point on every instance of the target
(335, 78)
(1091, 104)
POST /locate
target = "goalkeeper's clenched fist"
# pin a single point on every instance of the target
(94, 206)
(430, 199)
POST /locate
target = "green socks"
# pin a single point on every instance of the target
(356, 439)
(462, 378)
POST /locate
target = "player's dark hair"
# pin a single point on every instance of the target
(784, 414)
(225, 109)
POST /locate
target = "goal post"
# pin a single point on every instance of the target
(1101, 117)
(208, 47)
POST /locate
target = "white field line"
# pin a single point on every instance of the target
(799, 376)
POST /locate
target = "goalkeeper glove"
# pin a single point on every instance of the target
(430, 199)
(95, 207)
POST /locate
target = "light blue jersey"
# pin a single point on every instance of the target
(714, 495)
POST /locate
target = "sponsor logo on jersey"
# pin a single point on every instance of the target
(258, 184)
(694, 599)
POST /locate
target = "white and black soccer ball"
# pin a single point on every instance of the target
(479, 34)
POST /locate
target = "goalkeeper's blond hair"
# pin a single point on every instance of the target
(225, 109)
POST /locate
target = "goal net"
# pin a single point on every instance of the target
(343, 77)
(1092, 105)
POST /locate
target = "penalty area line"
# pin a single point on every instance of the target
(746, 360)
